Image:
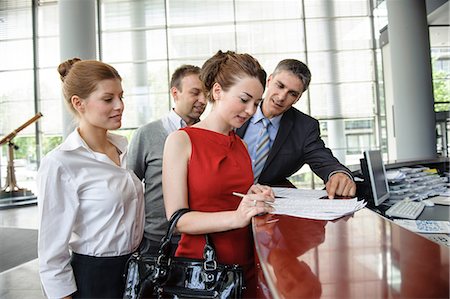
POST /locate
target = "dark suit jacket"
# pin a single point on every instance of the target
(297, 142)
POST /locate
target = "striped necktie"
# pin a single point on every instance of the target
(262, 150)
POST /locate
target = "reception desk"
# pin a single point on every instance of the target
(360, 256)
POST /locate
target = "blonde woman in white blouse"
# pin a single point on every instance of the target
(91, 209)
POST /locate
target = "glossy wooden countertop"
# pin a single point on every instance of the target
(360, 256)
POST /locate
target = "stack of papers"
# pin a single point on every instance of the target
(393, 175)
(307, 203)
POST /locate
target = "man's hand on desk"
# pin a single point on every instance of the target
(340, 184)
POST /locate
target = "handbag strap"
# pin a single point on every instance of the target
(166, 244)
(209, 253)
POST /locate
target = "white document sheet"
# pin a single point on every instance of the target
(306, 203)
(425, 226)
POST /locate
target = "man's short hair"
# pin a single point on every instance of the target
(181, 72)
(296, 67)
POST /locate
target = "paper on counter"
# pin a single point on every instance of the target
(425, 226)
(306, 203)
(441, 200)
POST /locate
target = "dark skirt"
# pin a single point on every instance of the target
(99, 277)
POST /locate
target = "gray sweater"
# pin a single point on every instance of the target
(145, 155)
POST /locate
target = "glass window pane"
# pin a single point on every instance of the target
(146, 43)
(51, 101)
(112, 51)
(16, 95)
(15, 19)
(440, 57)
(50, 83)
(154, 12)
(342, 100)
(48, 18)
(196, 12)
(175, 63)
(156, 44)
(115, 14)
(200, 41)
(51, 108)
(119, 14)
(270, 60)
(142, 45)
(145, 100)
(49, 51)
(284, 37)
(336, 8)
(338, 34)
(11, 50)
(342, 66)
(303, 103)
(267, 9)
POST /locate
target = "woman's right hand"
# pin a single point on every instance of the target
(257, 188)
(252, 205)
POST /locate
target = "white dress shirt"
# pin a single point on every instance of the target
(172, 122)
(87, 204)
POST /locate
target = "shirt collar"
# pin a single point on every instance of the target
(176, 120)
(74, 141)
(275, 121)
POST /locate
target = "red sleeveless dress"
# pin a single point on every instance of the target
(220, 165)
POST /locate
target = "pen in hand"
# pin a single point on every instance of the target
(242, 195)
(337, 197)
(238, 194)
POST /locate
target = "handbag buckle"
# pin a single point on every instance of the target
(159, 260)
(210, 265)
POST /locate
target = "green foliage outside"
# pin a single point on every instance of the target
(441, 90)
(27, 146)
(50, 142)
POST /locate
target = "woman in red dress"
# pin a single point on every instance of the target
(204, 164)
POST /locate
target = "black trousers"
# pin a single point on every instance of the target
(99, 277)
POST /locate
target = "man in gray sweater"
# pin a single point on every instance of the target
(146, 148)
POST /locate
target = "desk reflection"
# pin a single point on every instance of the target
(294, 277)
(362, 256)
(422, 278)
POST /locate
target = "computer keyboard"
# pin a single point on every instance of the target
(406, 208)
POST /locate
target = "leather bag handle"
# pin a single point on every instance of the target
(209, 253)
(166, 245)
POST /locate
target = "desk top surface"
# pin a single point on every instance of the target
(363, 256)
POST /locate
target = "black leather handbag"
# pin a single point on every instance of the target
(164, 276)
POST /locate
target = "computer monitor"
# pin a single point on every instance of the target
(377, 176)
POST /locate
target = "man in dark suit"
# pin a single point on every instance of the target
(294, 137)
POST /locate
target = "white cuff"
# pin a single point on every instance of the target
(340, 171)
